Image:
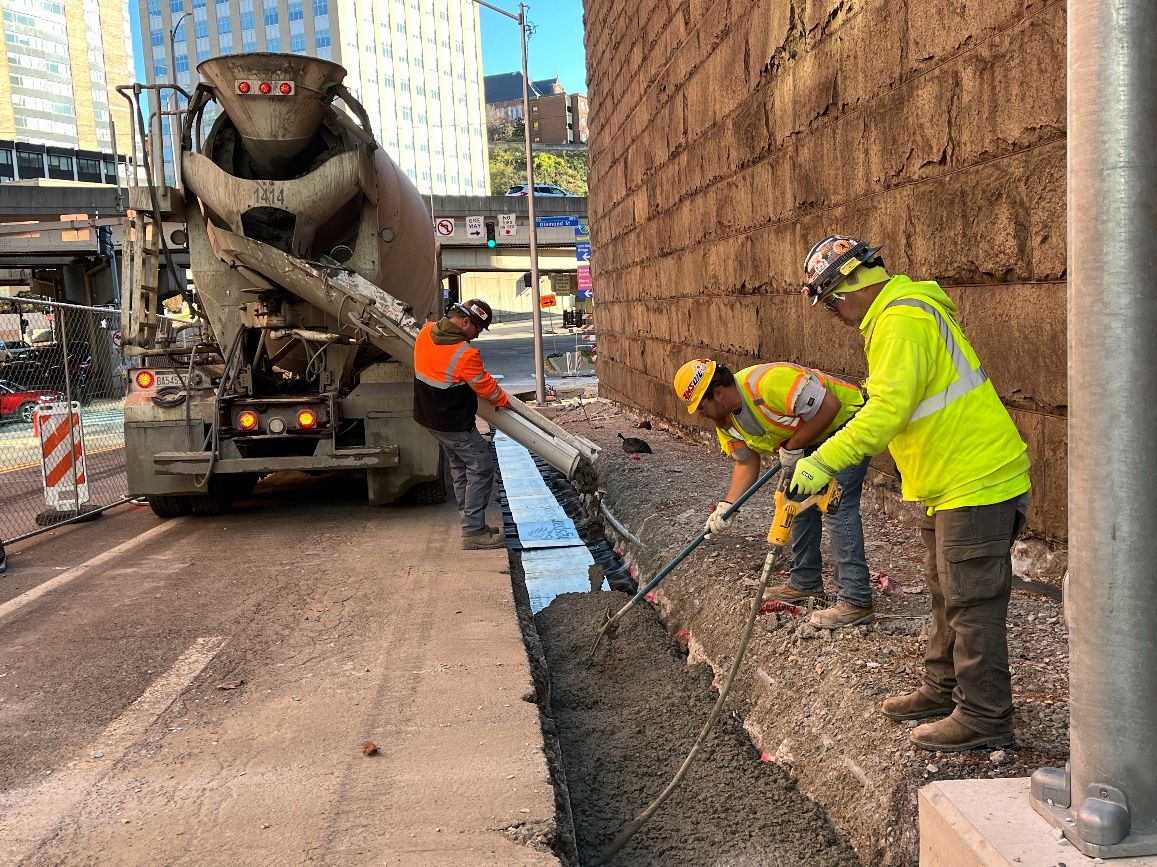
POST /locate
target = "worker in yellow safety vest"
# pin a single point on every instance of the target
(787, 409)
(958, 451)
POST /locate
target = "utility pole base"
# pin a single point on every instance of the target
(992, 823)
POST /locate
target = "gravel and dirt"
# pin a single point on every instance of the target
(810, 700)
(626, 720)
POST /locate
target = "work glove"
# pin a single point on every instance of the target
(811, 476)
(788, 458)
(716, 523)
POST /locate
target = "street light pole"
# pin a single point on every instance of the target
(174, 134)
(535, 309)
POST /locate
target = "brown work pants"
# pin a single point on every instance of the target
(968, 571)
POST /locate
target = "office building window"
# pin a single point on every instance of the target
(160, 69)
(225, 24)
(202, 29)
(86, 166)
(248, 21)
(29, 163)
(297, 42)
(296, 12)
(407, 115)
(249, 41)
(273, 44)
(181, 63)
(323, 40)
(60, 163)
(320, 7)
(270, 17)
(176, 7)
(157, 38)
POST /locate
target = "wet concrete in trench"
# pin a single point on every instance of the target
(625, 722)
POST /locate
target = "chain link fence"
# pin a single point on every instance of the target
(62, 388)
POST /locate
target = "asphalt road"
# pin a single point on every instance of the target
(198, 691)
(508, 349)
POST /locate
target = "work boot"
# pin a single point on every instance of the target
(843, 613)
(788, 593)
(487, 539)
(914, 705)
(950, 736)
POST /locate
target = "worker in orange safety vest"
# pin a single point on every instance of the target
(449, 377)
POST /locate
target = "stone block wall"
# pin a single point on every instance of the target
(728, 136)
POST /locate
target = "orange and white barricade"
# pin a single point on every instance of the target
(62, 456)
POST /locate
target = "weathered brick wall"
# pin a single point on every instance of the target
(728, 136)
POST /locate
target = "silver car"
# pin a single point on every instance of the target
(540, 190)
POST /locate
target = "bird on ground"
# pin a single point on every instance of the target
(645, 424)
(635, 446)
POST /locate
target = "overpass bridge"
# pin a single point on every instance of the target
(57, 208)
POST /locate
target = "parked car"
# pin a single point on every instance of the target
(42, 367)
(10, 350)
(540, 190)
(18, 402)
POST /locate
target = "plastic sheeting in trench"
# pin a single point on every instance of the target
(554, 557)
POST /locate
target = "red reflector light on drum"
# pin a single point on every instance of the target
(286, 87)
(247, 420)
(265, 87)
(145, 379)
(307, 418)
(243, 87)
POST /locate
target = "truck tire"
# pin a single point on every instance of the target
(169, 505)
(429, 493)
(217, 501)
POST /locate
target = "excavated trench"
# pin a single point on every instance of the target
(617, 727)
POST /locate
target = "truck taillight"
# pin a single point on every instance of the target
(266, 88)
(145, 379)
(306, 418)
(247, 420)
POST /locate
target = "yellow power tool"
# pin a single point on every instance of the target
(787, 510)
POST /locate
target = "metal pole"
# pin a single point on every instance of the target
(174, 133)
(536, 310)
(1105, 800)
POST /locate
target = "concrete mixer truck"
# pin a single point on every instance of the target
(312, 261)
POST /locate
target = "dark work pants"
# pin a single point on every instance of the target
(472, 472)
(968, 570)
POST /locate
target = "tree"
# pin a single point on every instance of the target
(566, 169)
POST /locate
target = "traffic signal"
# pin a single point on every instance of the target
(491, 241)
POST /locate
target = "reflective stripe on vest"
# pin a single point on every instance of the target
(752, 423)
(967, 378)
(447, 380)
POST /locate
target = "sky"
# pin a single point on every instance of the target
(555, 47)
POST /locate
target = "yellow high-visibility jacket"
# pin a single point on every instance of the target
(777, 399)
(932, 405)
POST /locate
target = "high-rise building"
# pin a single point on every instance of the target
(416, 66)
(61, 63)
